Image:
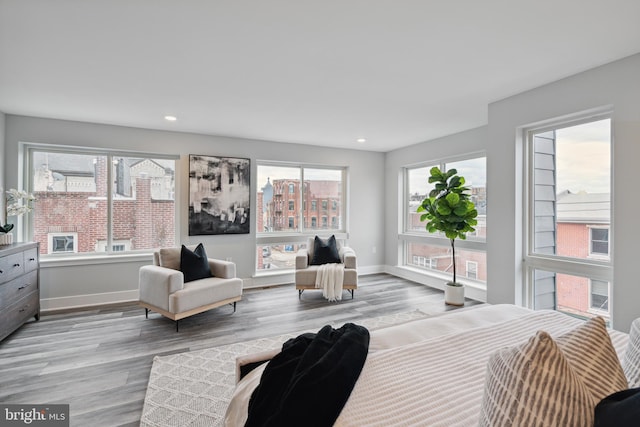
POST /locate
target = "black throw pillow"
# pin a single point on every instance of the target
(621, 409)
(194, 264)
(325, 251)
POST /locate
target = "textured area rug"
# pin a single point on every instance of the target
(193, 389)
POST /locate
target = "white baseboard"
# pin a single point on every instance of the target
(471, 291)
(79, 301)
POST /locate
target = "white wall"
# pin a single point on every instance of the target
(614, 85)
(68, 285)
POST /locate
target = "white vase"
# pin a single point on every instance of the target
(6, 239)
(454, 294)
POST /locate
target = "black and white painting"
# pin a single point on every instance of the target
(219, 195)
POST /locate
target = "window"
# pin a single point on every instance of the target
(472, 269)
(599, 241)
(599, 295)
(334, 205)
(567, 259)
(432, 252)
(90, 200)
(116, 246)
(291, 186)
(62, 243)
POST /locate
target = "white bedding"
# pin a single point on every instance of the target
(430, 371)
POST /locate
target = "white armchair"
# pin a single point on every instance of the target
(163, 290)
(305, 275)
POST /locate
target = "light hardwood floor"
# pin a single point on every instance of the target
(98, 359)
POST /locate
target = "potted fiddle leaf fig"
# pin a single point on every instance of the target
(449, 209)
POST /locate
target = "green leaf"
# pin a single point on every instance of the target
(453, 199)
(460, 210)
(443, 209)
(450, 234)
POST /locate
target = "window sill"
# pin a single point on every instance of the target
(68, 261)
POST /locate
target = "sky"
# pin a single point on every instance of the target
(473, 171)
(583, 161)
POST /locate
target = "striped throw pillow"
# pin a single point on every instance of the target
(631, 361)
(591, 354)
(533, 384)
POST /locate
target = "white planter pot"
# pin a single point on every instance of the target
(454, 295)
(6, 239)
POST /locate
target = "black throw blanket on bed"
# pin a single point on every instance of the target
(309, 382)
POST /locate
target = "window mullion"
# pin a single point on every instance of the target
(109, 202)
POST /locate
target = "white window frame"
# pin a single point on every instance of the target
(599, 254)
(475, 264)
(596, 310)
(592, 268)
(408, 236)
(51, 236)
(301, 235)
(28, 148)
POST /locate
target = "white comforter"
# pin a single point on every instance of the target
(431, 372)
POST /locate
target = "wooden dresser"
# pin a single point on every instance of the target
(19, 286)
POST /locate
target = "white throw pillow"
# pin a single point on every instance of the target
(631, 361)
(533, 384)
(591, 354)
(519, 392)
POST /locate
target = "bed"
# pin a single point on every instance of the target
(430, 371)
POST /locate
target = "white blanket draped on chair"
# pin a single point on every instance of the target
(330, 277)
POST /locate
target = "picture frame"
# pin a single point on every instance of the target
(219, 195)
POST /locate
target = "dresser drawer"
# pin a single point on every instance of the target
(11, 266)
(16, 289)
(30, 259)
(18, 313)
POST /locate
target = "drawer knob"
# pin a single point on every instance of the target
(16, 265)
(22, 287)
(32, 259)
(22, 310)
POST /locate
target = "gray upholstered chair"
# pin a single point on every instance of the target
(305, 274)
(163, 290)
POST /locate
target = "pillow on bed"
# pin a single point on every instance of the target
(591, 357)
(591, 354)
(325, 251)
(533, 384)
(631, 361)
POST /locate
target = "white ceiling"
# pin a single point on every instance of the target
(395, 72)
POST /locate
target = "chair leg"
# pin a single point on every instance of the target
(177, 324)
(300, 291)
(234, 306)
(351, 290)
(146, 313)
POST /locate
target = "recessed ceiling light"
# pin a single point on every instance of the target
(361, 140)
(170, 118)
